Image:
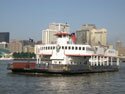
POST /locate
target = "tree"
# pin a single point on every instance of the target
(23, 55)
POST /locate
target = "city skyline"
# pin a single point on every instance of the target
(27, 18)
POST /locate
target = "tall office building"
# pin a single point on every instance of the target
(4, 37)
(120, 48)
(48, 34)
(89, 34)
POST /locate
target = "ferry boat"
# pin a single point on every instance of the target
(67, 57)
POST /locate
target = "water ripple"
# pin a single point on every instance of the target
(96, 83)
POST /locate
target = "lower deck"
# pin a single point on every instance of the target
(60, 69)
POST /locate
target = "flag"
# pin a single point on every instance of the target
(73, 37)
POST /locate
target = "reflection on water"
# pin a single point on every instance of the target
(96, 83)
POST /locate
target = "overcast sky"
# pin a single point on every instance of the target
(26, 18)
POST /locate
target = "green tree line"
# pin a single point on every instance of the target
(23, 55)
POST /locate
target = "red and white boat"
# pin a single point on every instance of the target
(66, 57)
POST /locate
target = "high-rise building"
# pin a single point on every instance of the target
(120, 48)
(48, 34)
(4, 37)
(89, 34)
(98, 36)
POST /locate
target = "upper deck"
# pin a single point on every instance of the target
(69, 49)
(65, 45)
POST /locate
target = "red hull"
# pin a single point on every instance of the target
(19, 65)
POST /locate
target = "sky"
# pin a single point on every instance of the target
(26, 19)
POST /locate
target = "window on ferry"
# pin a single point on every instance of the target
(53, 47)
(72, 48)
(59, 62)
(65, 47)
(79, 48)
(62, 47)
(76, 48)
(46, 48)
(69, 47)
(83, 48)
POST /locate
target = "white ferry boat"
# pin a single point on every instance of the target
(66, 57)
